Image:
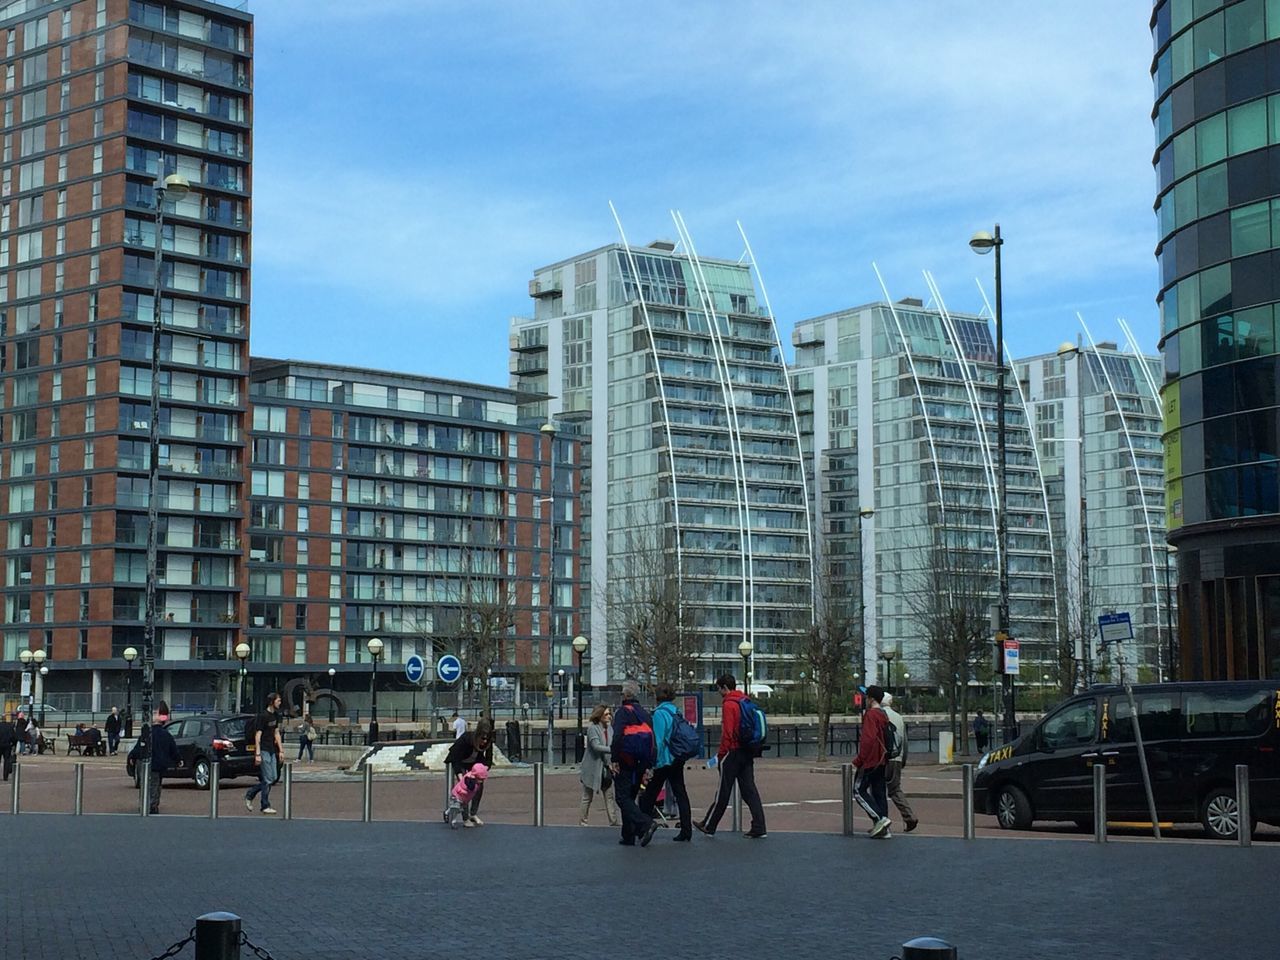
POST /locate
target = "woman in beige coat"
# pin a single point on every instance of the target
(595, 761)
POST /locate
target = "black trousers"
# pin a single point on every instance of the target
(871, 793)
(673, 778)
(8, 761)
(738, 767)
(626, 787)
(154, 782)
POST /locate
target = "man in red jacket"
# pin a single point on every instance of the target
(871, 761)
(737, 764)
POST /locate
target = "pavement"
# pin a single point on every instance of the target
(124, 887)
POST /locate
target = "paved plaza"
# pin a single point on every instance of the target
(107, 887)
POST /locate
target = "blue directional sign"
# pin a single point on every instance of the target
(414, 668)
(1115, 627)
(448, 668)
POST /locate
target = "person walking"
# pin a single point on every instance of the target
(164, 756)
(668, 770)
(466, 751)
(268, 751)
(8, 740)
(632, 754)
(594, 773)
(736, 760)
(871, 762)
(113, 731)
(459, 725)
(981, 731)
(897, 760)
(307, 739)
(20, 725)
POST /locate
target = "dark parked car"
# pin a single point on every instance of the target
(1194, 734)
(200, 741)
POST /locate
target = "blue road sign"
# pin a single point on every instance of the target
(1115, 627)
(414, 668)
(448, 668)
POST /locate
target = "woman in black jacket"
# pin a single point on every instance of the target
(469, 749)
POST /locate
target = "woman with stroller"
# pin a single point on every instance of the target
(474, 746)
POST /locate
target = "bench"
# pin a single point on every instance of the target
(82, 742)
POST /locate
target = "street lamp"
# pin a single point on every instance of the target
(560, 673)
(130, 655)
(172, 187)
(888, 656)
(864, 514)
(375, 651)
(242, 654)
(744, 651)
(44, 672)
(548, 430)
(580, 644)
(26, 656)
(332, 702)
(983, 243)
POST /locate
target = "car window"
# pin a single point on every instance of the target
(200, 728)
(1159, 714)
(175, 728)
(1229, 712)
(233, 729)
(1071, 726)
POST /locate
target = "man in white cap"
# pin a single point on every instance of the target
(893, 774)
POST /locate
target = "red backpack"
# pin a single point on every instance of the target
(636, 748)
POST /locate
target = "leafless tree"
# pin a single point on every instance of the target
(949, 594)
(832, 640)
(648, 619)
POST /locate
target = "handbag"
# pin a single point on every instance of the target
(606, 778)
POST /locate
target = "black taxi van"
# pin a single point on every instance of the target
(1194, 735)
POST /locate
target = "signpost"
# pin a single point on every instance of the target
(415, 668)
(1115, 627)
(448, 668)
(1011, 657)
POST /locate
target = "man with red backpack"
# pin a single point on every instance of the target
(872, 758)
(739, 746)
(633, 752)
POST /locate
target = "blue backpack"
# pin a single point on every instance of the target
(684, 742)
(753, 727)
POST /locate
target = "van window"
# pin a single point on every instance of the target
(1221, 714)
(1071, 726)
(1159, 718)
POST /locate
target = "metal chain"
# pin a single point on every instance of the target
(177, 947)
(258, 951)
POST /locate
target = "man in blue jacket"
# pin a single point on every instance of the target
(668, 770)
(632, 753)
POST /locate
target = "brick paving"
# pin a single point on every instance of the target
(123, 887)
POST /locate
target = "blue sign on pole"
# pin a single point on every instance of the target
(448, 668)
(1115, 627)
(414, 668)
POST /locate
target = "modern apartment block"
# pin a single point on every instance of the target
(395, 506)
(1098, 425)
(672, 366)
(897, 408)
(1217, 123)
(101, 98)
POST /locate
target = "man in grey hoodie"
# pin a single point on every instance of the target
(893, 774)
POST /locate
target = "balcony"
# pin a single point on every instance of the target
(539, 289)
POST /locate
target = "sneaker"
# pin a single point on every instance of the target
(702, 828)
(269, 811)
(911, 825)
(583, 823)
(752, 835)
(648, 834)
(880, 827)
(885, 836)
(248, 804)
(468, 823)
(477, 821)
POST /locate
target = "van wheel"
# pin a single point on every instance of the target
(1013, 809)
(1220, 815)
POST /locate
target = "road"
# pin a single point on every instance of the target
(798, 796)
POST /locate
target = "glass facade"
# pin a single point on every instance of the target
(674, 369)
(1217, 120)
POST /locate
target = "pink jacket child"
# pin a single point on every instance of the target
(469, 782)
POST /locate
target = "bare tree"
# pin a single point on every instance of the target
(949, 594)
(648, 619)
(832, 640)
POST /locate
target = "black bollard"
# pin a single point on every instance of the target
(928, 948)
(218, 936)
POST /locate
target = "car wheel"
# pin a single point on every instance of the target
(1013, 809)
(200, 773)
(1220, 815)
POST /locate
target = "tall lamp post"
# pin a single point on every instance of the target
(744, 651)
(375, 651)
(888, 656)
(580, 645)
(130, 655)
(983, 243)
(242, 654)
(172, 187)
(44, 672)
(864, 514)
(548, 430)
(332, 703)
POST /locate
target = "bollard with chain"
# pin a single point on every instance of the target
(79, 789)
(288, 791)
(217, 936)
(15, 794)
(367, 814)
(928, 948)
(215, 778)
(846, 797)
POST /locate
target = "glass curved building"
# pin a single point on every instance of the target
(1217, 117)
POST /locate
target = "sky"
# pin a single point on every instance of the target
(415, 161)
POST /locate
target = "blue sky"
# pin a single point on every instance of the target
(416, 160)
